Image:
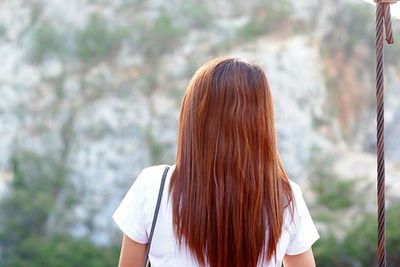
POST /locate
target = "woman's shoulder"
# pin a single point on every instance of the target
(300, 226)
(298, 203)
(296, 189)
(152, 173)
(155, 169)
(151, 176)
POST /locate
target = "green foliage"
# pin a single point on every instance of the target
(46, 42)
(335, 194)
(268, 17)
(156, 148)
(354, 24)
(98, 40)
(250, 30)
(393, 233)
(332, 192)
(25, 237)
(327, 251)
(198, 15)
(331, 84)
(62, 251)
(25, 210)
(361, 241)
(359, 247)
(36, 11)
(34, 187)
(160, 35)
(3, 30)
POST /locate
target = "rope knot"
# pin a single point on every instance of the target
(386, 1)
(386, 17)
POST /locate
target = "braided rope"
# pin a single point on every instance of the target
(383, 18)
(380, 137)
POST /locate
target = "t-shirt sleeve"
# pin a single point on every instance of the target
(130, 214)
(303, 230)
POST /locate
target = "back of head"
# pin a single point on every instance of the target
(229, 188)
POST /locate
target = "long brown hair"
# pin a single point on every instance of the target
(229, 188)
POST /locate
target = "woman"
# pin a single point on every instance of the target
(229, 201)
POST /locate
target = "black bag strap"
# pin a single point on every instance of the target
(153, 225)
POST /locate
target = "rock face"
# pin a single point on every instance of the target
(100, 89)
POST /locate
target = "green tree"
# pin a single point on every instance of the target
(26, 238)
(359, 245)
(361, 241)
(62, 251)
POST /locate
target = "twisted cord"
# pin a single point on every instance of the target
(383, 18)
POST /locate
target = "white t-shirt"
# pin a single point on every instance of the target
(134, 217)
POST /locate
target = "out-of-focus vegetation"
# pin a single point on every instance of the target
(60, 251)
(350, 45)
(268, 16)
(332, 192)
(359, 246)
(33, 223)
(349, 237)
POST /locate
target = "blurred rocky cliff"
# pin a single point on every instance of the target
(93, 89)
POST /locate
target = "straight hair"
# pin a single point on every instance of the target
(229, 189)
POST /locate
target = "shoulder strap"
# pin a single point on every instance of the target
(153, 225)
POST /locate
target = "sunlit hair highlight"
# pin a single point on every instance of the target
(229, 189)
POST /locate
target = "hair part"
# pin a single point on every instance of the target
(229, 188)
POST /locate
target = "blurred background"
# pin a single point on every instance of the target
(90, 93)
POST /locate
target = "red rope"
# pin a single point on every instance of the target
(382, 19)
